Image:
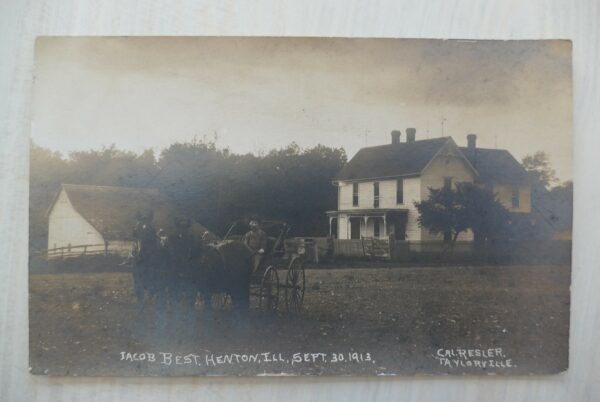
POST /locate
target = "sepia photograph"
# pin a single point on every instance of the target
(269, 206)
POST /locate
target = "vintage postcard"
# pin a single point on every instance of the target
(300, 206)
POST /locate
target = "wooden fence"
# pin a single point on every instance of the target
(366, 247)
(538, 251)
(75, 251)
(317, 249)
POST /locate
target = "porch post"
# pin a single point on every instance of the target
(365, 218)
(348, 224)
(384, 225)
(330, 220)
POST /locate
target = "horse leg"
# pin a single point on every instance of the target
(244, 300)
(175, 296)
(207, 313)
(190, 310)
(185, 313)
(161, 309)
(241, 303)
(139, 291)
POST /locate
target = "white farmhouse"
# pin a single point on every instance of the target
(101, 219)
(378, 187)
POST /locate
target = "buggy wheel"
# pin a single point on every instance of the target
(268, 301)
(295, 283)
(220, 300)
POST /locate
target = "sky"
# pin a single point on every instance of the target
(256, 94)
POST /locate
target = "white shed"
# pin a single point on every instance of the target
(101, 219)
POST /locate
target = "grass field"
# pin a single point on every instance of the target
(398, 318)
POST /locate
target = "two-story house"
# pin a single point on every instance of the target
(378, 187)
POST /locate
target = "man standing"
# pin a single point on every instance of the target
(256, 240)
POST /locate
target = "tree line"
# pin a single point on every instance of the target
(216, 187)
(210, 184)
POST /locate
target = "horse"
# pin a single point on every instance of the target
(207, 268)
(150, 269)
(226, 267)
(182, 249)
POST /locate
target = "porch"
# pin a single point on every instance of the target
(361, 224)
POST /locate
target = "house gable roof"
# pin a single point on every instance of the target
(496, 166)
(410, 159)
(392, 160)
(451, 149)
(113, 211)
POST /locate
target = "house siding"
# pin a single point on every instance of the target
(412, 194)
(343, 227)
(433, 176)
(387, 194)
(365, 195)
(387, 200)
(504, 193)
(445, 166)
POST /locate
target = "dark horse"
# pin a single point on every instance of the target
(178, 266)
(205, 268)
(151, 274)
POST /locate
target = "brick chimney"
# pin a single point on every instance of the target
(471, 141)
(396, 136)
(410, 134)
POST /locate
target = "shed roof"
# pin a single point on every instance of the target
(113, 210)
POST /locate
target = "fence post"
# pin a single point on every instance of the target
(330, 249)
(391, 245)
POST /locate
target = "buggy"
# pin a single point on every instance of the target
(280, 274)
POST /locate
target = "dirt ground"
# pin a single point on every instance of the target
(402, 320)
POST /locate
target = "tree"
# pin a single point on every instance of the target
(210, 185)
(441, 214)
(555, 206)
(561, 205)
(482, 212)
(538, 165)
(108, 166)
(552, 203)
(469, 206)
(217, 187)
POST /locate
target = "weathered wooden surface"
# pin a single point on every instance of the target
(21, 21)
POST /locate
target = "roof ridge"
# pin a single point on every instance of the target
(406, 143)
(94, 186)
(487, 149)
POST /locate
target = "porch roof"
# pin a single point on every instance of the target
(373, 211)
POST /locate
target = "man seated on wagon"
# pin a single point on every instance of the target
(256, 240)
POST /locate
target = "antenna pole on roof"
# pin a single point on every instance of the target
(442, 122)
